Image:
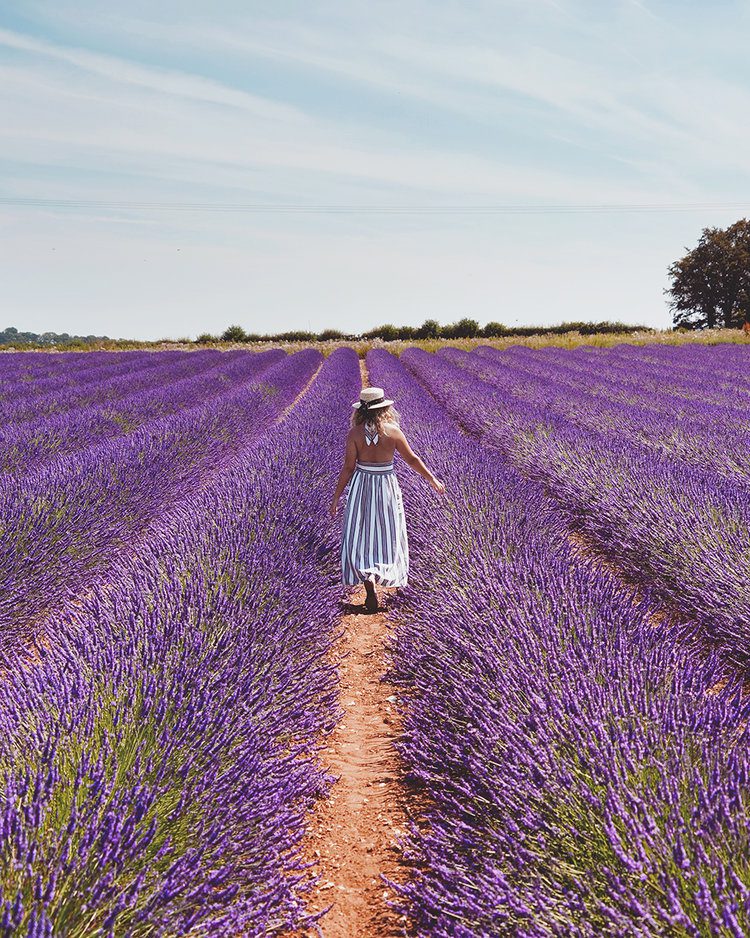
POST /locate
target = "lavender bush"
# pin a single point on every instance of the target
(158, 760)
(675, 526)
(585, 771)
(26, 446)
(170, 596)
(63, 523)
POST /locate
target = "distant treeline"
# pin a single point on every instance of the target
(11, 336)
(430, 329)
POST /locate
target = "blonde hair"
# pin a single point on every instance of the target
(380, 417)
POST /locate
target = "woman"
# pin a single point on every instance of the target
(374, 547)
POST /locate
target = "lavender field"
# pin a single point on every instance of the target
(569, 658)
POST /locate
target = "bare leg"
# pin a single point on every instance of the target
(371, 602)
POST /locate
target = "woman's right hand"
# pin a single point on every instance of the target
(437, 485)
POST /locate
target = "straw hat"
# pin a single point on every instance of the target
(371, 399)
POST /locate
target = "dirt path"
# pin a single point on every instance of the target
(354, 834)
(287, 410)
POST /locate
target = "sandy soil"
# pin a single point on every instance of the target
(354, 835)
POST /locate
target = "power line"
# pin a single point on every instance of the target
(354, 209)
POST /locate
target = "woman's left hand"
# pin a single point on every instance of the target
(438, 486)
(333, 509)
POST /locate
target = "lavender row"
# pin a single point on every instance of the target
(691, 401)
(26, 446)
(727, 362)
(36, 366)
(61, 525)
(160, 759)
(108, 385)
(22, 401)
(102, 387)
(672, 369)
(707, 436)
(583, 775)
(26, 390)
(677, 530)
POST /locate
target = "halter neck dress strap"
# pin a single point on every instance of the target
(371, 433)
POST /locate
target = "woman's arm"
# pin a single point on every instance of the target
(414, 462)
(347, 471)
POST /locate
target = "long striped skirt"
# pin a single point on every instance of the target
(374, 545)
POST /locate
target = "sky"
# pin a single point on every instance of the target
(170, 168)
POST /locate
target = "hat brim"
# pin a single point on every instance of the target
(357, 404)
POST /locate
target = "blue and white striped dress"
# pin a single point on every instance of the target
(374, 545)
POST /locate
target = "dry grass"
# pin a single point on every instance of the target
(564, 340)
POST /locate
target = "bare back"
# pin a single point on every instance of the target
(380, 452)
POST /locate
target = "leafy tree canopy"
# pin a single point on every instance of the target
(430, 329)
(463, 329)
(711, 284)
(233, 334)
(11, 336)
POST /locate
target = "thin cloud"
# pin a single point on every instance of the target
(404, 101)
(164, 81)
(92, 122)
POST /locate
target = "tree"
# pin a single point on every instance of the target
(494, 329)
(711, 283)
(430, 329)
(463, 329)
(233, 334)
(387, 333)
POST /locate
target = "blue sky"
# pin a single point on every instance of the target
(410, 105)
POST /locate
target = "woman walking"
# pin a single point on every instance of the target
(374, 545)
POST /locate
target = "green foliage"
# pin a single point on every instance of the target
(387, 333)
(604, 327)
(711, 284)
(597, 328)
(296, 335)
(430, 329)
(493, 329)
(205, 338)
(463, 329)
(234, 334)
(328, 335)
(11, 336)
(390, 333)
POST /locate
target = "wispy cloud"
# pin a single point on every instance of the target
(164, 81)
(120, 119)
(403, 102)
(608, 89)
